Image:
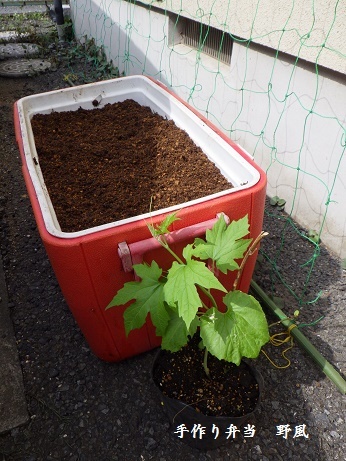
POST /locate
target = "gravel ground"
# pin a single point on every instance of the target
(84, 409)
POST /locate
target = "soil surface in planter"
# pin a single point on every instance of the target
(117, 162)
(231, 390)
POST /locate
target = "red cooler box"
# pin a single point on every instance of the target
(91, 265)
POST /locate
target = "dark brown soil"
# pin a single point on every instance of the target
(117, 162)
(231, 390)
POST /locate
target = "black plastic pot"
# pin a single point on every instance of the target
(182, 415)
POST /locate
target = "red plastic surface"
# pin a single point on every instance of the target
(134, 252)
(89, 269)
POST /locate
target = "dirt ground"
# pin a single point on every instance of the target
(84, 409)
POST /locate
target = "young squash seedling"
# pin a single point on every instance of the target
(182, 300)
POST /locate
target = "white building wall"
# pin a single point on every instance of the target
(296, 27)
(290, 118)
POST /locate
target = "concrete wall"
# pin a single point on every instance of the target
(290, 117)
(298, 28)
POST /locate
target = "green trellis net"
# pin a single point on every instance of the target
(207, 36)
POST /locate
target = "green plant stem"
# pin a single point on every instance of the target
(167, 247)
(205, 362)
(210, 296)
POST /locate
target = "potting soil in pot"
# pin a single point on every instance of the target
(117, 162)
(231, 390)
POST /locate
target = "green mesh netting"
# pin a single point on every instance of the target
(189, 30)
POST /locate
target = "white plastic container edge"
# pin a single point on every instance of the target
(147, 93)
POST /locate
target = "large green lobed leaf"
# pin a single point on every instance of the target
(224, 244)
(180, 288)
(239, 332)
(149, 297)
(176, 334)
